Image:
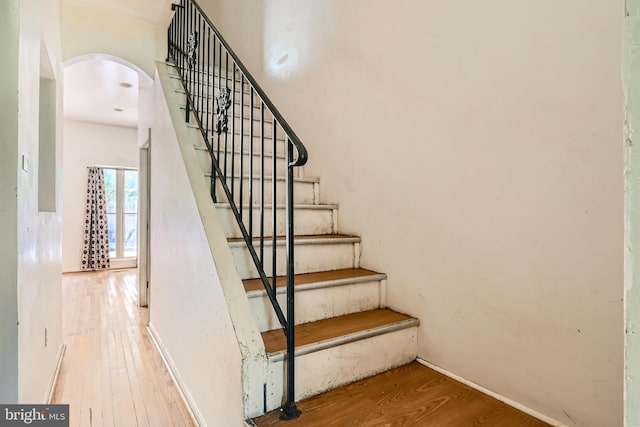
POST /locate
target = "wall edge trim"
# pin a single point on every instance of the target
(56, 373)
(192, 407)
(493, 394)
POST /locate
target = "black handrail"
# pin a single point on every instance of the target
(198, 51)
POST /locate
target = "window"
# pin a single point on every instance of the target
(121, 191)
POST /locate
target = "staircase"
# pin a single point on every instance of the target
(343, 329)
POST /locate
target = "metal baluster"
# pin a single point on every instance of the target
(176, 36)
(226, 150)
(176, 52)
(169, 41)
(186, 71)
(251, 165)
(207, 67)
(185, 21)
(202, 79)
(218, 158)
(262, 185)
(274, 183)
(183, 40)
(174, 32)
(180, 39)
(241, 139)
(214, 157)
(193, 68)
(196, 69)
(233, 133)
(289, 409)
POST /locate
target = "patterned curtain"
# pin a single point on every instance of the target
(95, 250)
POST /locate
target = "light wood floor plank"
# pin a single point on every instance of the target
(112, 374)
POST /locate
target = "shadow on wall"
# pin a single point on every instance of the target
(292, 35)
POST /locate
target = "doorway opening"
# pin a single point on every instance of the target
(103, 102)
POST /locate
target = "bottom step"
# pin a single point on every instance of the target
(337, 351)
(411, 395)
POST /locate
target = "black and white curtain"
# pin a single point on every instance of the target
(95, 248)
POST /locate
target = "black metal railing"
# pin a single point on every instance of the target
(217, 85)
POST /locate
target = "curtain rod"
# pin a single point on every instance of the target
(112, 167)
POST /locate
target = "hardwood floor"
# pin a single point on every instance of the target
(112, 374)
(410, 396)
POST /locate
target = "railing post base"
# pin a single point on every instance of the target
(290, 411)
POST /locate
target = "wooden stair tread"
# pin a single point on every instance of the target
(309, 333)
(303, 279)
(411, 395)
(268, 239)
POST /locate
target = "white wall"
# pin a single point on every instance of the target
(477, 148)
(189, 312)
(9, 35)
(632, 216)
(30, 247)
(90, 30)
(89, 144)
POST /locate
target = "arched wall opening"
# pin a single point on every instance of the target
(106, 105)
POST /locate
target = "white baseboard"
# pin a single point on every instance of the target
(56, 373)
(493, 394)
(177, 379)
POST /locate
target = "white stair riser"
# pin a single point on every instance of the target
(209, 90)
(234, 141)
(330, 368)
(244, 122)
(241, 125)
(199, 80)
(320, 303)
(307, 221)
(303, 191)
(309, 258)
(205, 70)
(204, 160)
(236, 113)
(215, 67)
(234, 134)
(213, 85)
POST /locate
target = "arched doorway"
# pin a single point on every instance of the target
(106, 100)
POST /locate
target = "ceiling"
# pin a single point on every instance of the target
(96, 88)
(154, 11)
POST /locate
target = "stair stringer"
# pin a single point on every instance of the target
(254, 359)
